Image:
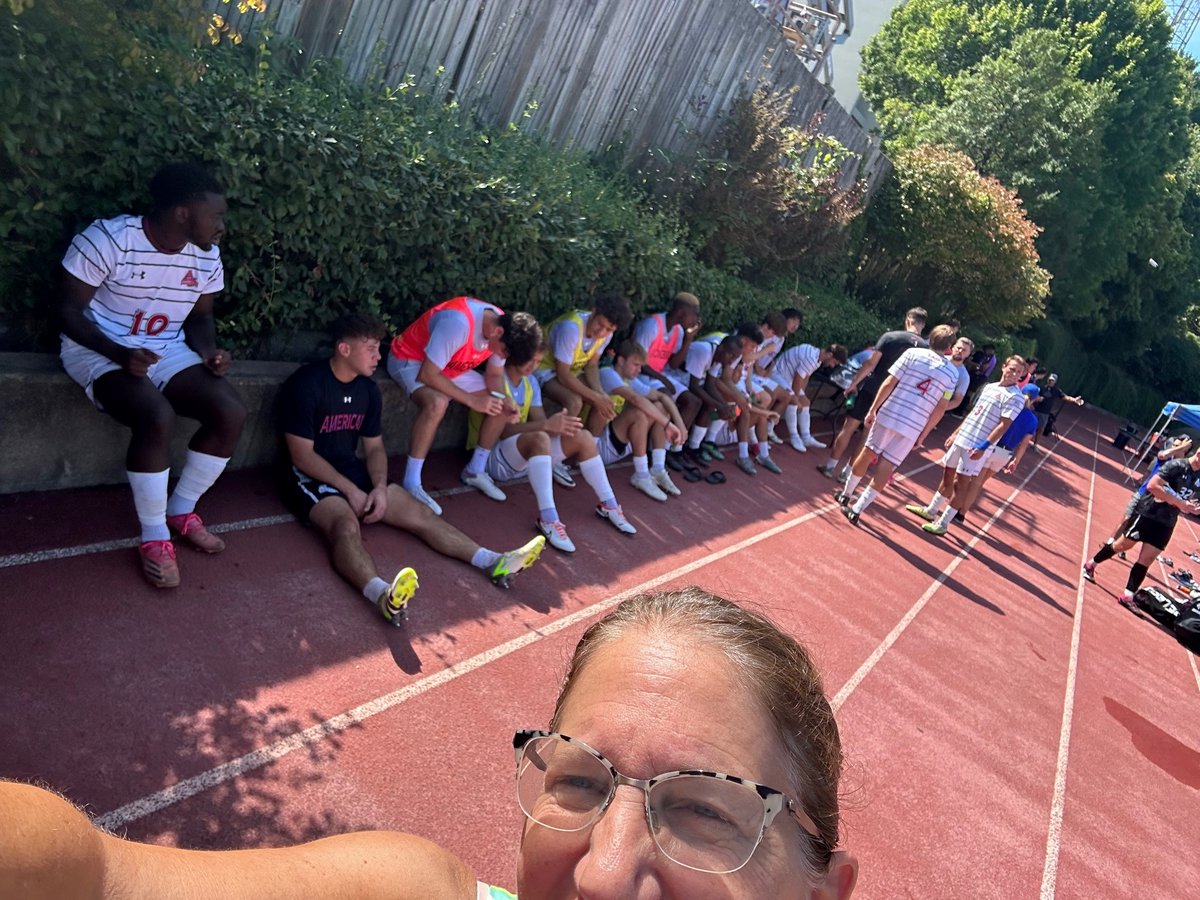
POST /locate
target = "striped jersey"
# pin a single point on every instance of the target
(802, 360)
(142, 295)
(994, 403)
(923, 377)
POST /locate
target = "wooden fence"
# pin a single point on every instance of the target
(594, 74)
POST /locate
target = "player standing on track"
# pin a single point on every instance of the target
(968, 447)
(138, 335)
(1171, 490)
(911, 399)
(870, 377)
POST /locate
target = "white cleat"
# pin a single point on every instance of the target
(810, 441)
(798, 445)
(617, 517)
(562, 475)
(663, 479)
(646, 485)
(419, 493)
(556, 535)
(483, 483)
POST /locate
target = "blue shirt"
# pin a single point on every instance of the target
(1026, 423)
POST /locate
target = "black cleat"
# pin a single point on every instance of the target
(851, 515)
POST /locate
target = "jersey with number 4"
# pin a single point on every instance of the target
(923, 377)
(142, 294)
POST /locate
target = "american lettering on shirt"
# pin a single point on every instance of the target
(342, 422)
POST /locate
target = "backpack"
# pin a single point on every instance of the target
(1159, 605)
(1187, 628)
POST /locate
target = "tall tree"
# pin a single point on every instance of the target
(941, 235)
(985, 77)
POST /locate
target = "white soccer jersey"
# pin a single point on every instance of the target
(769, 349)
(802, 360)
(994, 403)
(611, 381)
(142, 295)
(923, 377)
(699, 357)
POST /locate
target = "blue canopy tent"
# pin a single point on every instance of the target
(1187, 414)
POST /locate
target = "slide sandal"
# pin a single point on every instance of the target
(692, 474)
(715, 477)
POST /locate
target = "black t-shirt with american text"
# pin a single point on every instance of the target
(1179, 477)
(891, 346)
(314, 405)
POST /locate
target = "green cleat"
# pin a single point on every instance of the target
(934, 528)
(769, 464)
(514, 561)
(917, 510)
(393, 603)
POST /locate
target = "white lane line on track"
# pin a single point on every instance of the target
(189, 787)
(894, 635)
(1058, 798)
(40, 556)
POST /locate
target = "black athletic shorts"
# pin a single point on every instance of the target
(300, 493)
(1149, 531)
(863, 399)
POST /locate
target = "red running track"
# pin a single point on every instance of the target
(1010, 732)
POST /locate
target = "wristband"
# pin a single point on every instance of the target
(497, 395)
(983, 445)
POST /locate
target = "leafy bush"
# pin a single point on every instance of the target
(768, 196)
(342, 195)
(942, 236)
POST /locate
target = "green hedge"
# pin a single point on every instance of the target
(342, 195)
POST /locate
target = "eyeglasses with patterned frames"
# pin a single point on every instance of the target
(705, 821)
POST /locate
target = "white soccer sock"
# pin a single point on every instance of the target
(478, 460)
(594, 474)
(946, 517)
(199, 473)
(789, 419)
(865, 499)
(806, 422)
(485, 558)
(696, 435)
(658, 459)
(150, 502)
(711, 433)
(541, 479)
(556, 451)
(412, 472)
(937, 503)
(743, 449)
(764, 448)
(641, 466)
(851, 483)
(374, 588)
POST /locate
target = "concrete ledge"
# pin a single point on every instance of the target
(54, 438)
